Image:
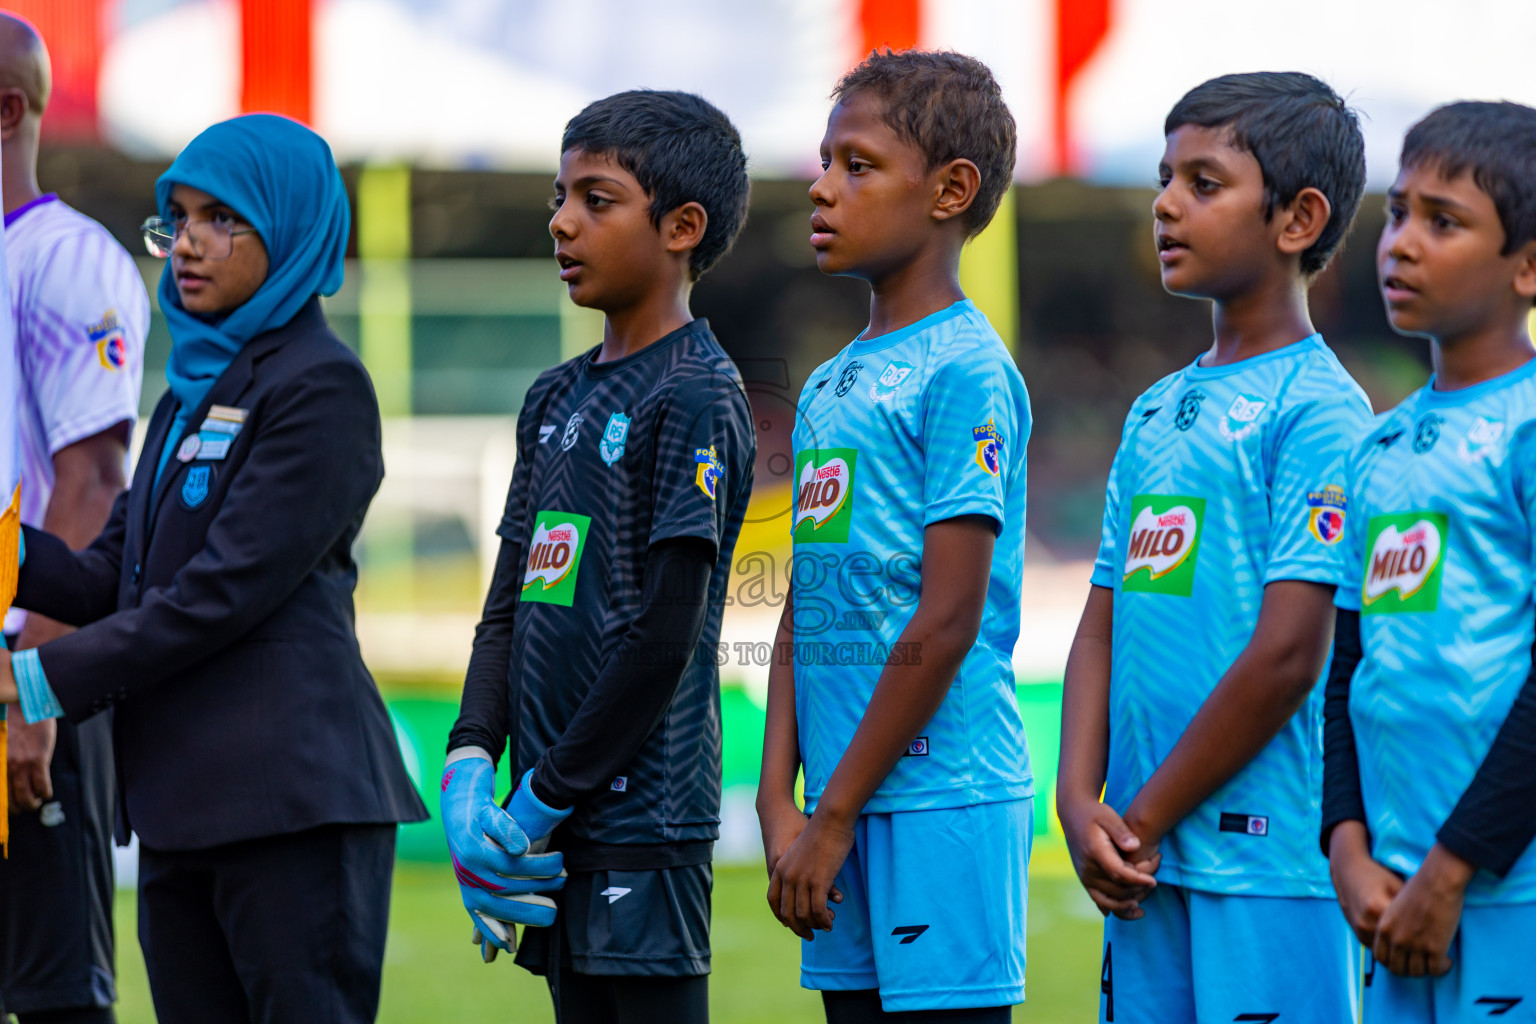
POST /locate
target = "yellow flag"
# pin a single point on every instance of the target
(10, 489)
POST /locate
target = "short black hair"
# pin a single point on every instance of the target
(1497, 143)
(1302, 134)
(949, 106)
(681, 149)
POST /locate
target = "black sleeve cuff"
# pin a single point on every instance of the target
(1342, 800)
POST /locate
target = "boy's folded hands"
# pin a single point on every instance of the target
(1110, 859)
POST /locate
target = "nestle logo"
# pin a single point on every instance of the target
(560, 535)
(1414, 536)
(827, 472)
(1172, 519)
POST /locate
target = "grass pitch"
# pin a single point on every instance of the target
(432, 975)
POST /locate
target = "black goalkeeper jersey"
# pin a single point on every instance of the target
(613, 458)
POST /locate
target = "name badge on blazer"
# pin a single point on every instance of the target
(218, 432)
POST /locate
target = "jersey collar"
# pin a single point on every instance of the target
(12, 217)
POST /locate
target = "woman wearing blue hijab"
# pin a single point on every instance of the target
(255, 758)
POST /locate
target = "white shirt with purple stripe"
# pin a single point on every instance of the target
(81, 318)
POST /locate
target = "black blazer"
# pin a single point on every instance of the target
(216, 611)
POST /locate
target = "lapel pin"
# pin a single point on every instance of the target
(189, 449)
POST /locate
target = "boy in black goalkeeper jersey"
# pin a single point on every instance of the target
(596, 650)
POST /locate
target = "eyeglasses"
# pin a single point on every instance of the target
(211, 239)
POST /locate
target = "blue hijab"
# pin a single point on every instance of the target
(280, 177)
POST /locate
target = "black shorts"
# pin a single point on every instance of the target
(633, 923)
(56, 883)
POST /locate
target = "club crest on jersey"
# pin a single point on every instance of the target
(611, 448)
(890, 380)
(708, 469)
(823, 495)
(1242, 417)
(194, 490)
(1405, 553)
(111, 345)
(1325, 514)
(1426, 432)
(1164, 544)
(1481, 441)
(1189, 408)
(845, 380)
(989, 447)
(554, 557)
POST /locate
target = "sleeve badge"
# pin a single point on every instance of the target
(1325, 514)
(111, 345)
(989, 447)
(708, 469)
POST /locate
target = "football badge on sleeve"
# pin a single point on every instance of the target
(111, 346)
(1325, 514)
(989, 447)
(708, 468)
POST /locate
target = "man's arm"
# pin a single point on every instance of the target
(88, 477)
(484, 708)
(779, 816)
(1267, 684)
(1364, 887)
(957, 556)
(1101, 844)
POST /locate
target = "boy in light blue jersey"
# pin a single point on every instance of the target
(1431, 706)
(1192, 697)
(894, 683)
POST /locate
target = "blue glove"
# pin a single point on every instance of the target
(498, 873)
(536, 818)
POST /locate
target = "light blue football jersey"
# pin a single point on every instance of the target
(1228, 478)
(1438, 548)
(897, 432)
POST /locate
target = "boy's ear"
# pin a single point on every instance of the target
(958, 182)
(1525, 272)
(1302, 221)
(683, 228)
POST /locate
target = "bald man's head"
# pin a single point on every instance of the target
(24, 62)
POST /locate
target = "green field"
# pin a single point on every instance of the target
(432, 975)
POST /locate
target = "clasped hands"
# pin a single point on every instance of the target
(1407, 926)
(497, 853)
(1114, 863)
(803, 854)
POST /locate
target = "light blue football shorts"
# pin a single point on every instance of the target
(1204, 958)
(1492, 978)
(933, 911)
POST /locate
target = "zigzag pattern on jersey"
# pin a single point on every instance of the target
(1435, 685)
(1224, 437)
(671, 789)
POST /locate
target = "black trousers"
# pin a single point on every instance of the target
(280, 929)
(56, 943)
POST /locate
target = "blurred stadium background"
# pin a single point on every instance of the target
(446, 116)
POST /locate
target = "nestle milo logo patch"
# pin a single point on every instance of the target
(1163, 545)
(554, 557)
(823, 495)
(1405, 553)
